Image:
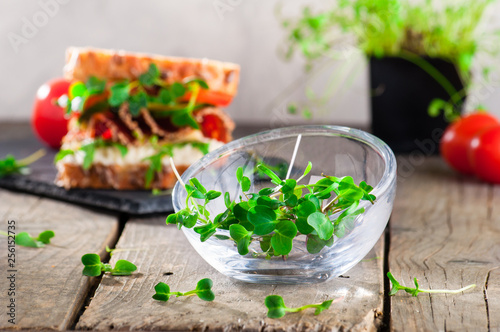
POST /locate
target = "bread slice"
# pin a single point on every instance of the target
(81, 63)
(118, 177)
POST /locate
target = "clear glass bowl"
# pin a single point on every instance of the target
(333, 150)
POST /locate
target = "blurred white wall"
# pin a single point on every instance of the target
(245, 32)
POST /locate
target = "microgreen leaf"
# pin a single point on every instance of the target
(89, 150)
(240, 211)
(77, 89)
(274, 178)
(177, 90)
(95, 85)
(45, 236)
(263, 218)
(184, 118)
(212, 194)
(315, 243)
(282, 239)
(204, 290)
(25, 240)
(63, 153)
(123, 268)
(119, 93)
(149, 77)
(308, 169)
(321, 224)
(199, 186)
(165, 96)
(304, 210)
(203, 84)
(184, 218)
(122, 148)
(243, 180)
(206, 231)
(137, 102)
(288, 186)
(242, 237)
(275, 305)
(93, 265)
(162, 292)
(322, 307)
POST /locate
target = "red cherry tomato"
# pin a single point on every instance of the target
(212, 126)
(457, 137)
(48, 120)
(484, 154)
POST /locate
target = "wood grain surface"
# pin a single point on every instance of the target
(50, 288)
(162, 253)
(445, 230)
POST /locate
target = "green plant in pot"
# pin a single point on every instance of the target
(420, 58)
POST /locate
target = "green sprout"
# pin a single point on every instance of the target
(94, 267)
(276, 215)
(203, 290)
(278, 309)
(396, 287)
(10, 165)
(26, 240)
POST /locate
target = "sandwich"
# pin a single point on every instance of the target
(130, 113)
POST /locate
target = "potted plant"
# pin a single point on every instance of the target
(420, 59)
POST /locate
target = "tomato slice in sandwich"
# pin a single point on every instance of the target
(211, 97)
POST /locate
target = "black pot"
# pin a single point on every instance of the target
(401, 94)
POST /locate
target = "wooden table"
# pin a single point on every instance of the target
(444, 230)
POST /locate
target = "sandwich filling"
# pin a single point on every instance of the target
(141, 122)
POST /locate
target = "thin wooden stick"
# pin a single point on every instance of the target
(293, 156)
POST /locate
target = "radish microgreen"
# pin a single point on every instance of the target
(26, 240)
(396, 287)
(93, 266)
(10, 165)
(277, 308)
(276, 215)
(203, 290)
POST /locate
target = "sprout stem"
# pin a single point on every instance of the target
(446, 291)
(32, 158)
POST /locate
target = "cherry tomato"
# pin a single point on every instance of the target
(457, 137)
(212, 126)
(211, 97)
(48, 120)
(484, 154)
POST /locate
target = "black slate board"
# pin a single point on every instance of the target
(18, 139)
(40, 181)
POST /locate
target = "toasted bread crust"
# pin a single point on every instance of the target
(130, 177)
(81, 63)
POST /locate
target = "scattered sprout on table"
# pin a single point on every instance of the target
(94, 267)
(203, 290)
(396, 287)
(277, 308)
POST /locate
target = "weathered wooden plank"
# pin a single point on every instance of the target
(445, 230)
(49, 287)
(125, 302)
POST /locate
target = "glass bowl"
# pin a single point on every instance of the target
(333, 150)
